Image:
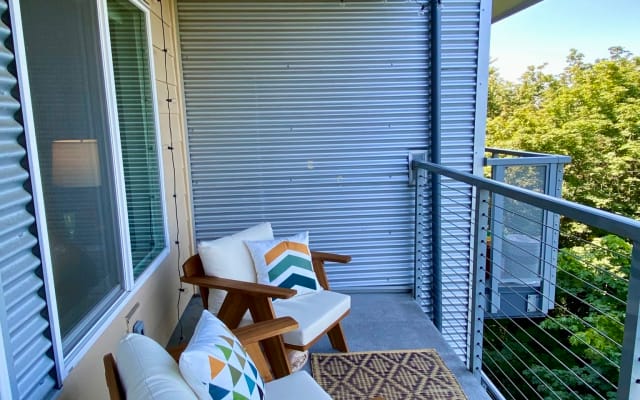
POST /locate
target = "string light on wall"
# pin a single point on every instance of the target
(171, 149)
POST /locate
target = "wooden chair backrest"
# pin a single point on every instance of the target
(114, 384)
(193, 267)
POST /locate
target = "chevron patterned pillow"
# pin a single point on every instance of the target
(285, 263)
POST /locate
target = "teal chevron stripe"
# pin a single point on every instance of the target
(286, 263)
(299, 280)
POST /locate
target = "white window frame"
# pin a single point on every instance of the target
(66, 362)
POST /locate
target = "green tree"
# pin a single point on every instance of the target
(590, 112)
(574, 352)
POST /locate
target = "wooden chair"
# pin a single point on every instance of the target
(251, 337)
(257, 298)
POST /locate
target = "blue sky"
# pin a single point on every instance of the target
(546, 31)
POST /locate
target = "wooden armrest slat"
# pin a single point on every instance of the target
(331, 257)
(266, 329)
(246, 288)
(176, 351)
(251, 333)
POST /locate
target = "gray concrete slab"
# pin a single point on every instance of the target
(380, 321)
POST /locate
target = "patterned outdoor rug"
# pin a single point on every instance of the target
(401, 374)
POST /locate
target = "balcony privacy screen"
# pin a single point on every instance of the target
(129, 50)
(302, 113)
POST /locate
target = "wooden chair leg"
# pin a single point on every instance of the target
(262, 310)
(337, 338)
(255, 351)
(233, 309)
(274, 349)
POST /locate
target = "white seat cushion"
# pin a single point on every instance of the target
(314, 313)
(228, 257)
(147, 371)
(299, 385)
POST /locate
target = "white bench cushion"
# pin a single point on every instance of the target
(299, 385)
(147, 371)
(314, 313)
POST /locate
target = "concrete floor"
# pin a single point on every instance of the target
(385, 321)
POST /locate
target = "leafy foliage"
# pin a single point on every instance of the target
(575, 351)
(590, 112)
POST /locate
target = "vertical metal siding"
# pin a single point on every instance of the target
(302, 114)
(460, 37)
(23, 308)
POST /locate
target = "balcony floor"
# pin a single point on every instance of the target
(384, 321)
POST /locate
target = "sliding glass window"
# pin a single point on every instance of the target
(101, 180)
(129, 51)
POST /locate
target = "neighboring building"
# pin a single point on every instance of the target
(302, 115)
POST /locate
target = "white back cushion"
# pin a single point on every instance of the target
(147, 371)
(228, 257)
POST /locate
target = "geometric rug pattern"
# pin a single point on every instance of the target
(400, 374)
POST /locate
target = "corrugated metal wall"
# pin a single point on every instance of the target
(460, 37)
(23, 308)
(302, 114)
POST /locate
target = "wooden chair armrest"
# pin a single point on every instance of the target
(249, 334)
(176, 351)
(114, 384)
(259, 331)
(330, 257)
(318, 259)
(245, 288)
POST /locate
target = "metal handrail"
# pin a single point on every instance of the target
(525, 157)
(614, 223)
(628, 384)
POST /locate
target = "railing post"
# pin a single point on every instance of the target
(478, 296)
(629, 381)
(436, 144)
(418, 233)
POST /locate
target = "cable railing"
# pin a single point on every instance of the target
(553, 311)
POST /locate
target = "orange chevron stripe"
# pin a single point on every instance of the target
(281, 247)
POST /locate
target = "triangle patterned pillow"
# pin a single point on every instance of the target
(285, 263)
(216, 366)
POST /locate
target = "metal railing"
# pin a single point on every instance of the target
(524, 239)
(585, 343)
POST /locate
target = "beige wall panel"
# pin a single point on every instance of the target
(158, 60)
(156, 33)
